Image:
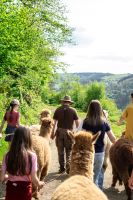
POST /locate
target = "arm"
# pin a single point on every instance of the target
(111, 136)
(123, 117)
(121, 120)
(3, 176)
(53, 131)
(77, 123)
(34, 177)
(36, 181)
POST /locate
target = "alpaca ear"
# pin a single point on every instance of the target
(71, 134)
(95, 137)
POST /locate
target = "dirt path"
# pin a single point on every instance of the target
(113, 194)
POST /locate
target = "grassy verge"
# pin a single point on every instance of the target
(3, 148)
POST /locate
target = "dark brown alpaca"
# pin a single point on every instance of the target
(121, 157)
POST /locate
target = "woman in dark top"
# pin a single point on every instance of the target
(95, 122)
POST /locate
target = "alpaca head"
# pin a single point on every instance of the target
(46, 127)
(85, 140)
(82, 157)
(46, 122)
(45, 113)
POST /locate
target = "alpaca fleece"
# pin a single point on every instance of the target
(40, 139)
(121, 157)
(78, 188)
(80, 185)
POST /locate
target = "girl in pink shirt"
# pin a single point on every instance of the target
(12, 118)
(19, 167)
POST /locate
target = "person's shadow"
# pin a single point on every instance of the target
(55, 176)
(115, 194)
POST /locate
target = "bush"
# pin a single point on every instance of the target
(94, 91)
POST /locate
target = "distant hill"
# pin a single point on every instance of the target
(87, 77)
(118, 86)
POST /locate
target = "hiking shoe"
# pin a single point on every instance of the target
(67, 170)
(61, 171)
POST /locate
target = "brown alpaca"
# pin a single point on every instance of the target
(121, 157)
(42, 149)
(80, 186)
(41, 146)
(82, 155)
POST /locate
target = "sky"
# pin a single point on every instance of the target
(103, 35)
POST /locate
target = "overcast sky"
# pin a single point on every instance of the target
(104, 36)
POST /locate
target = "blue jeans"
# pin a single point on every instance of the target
(98, 163)
(101, 178)
(9, 130)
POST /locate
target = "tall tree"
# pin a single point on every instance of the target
(31, 33)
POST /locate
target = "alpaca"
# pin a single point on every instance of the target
(121, 157)
(80, 185)
(41, 145)
(42, 149)
(35, 129)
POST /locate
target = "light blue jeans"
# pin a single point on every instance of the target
(98, 173)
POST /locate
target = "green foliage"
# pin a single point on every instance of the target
(110, 106)
(94, 91)
(3, 148)
(31, 33)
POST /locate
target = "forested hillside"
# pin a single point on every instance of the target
(118, 86)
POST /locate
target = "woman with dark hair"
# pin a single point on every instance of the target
(12, 117)
(95, 122)
(19, 167)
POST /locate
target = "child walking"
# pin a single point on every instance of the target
(12, 117)
(19, 167)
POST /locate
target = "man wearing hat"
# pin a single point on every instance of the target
(64, 118)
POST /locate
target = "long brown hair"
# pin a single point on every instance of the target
(19, 153)
(94, 115)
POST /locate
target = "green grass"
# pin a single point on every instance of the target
(3, 148)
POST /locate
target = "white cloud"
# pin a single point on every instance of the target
(104, 36)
